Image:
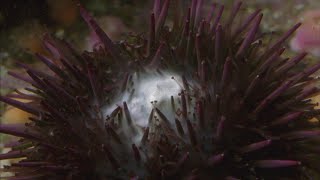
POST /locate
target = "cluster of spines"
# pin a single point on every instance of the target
(227, 95)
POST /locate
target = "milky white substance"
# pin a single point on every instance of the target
(149, 88)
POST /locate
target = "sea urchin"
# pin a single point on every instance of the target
(202, 99)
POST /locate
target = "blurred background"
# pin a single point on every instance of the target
(24, 22)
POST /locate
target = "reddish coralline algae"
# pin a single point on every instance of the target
(307, 37)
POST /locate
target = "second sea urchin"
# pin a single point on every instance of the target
(203, 99)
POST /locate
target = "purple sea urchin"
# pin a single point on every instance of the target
(203, 99)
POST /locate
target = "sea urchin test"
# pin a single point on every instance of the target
(206, 98)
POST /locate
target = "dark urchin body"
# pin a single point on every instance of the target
(242, 112)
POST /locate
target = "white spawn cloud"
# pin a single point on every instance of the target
(149, 88)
